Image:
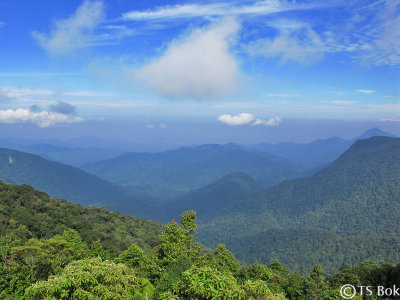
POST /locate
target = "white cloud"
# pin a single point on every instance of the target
(198, 67)
(88, 94)
(297, 43)
(71, 34)
(343, 102)
(282, 95)
(5, 95)
(241, 119)
(365, 91)
(270, 122)
(207, 10)
(381, 44)
(42, 119)
(393, 119)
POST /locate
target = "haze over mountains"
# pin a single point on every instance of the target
(177, 171)
(355, 198)
(59, 180)
(249, 199)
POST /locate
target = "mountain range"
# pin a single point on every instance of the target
(355, 198)
(166, 175)
(342, 213)
(311, 156)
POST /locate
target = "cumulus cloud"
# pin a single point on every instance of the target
(241, 119)
(73, 33)
(275, 121)
(197, 67)
(63, 108)
(365, 91)
(246, 118)
(42, 119)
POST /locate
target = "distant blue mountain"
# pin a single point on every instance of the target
(312, 156)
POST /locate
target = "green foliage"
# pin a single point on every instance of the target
(177, 241)
(44, 217)
(131, 257)
(225, 260)
(56, 179)
(46, 257)
(209, 283)
(316, 286)
(92, 279)
(344, 214)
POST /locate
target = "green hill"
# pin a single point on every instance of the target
(170, 173)
(56, 179)
(214, 199)
(356, 196)
(45, 216)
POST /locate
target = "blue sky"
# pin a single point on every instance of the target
(235, 63)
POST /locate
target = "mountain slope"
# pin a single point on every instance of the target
(213, 199)
(316, 153)
(357, 195)
(56, 179)
(303, 248)
(45, 216)
(178, 171)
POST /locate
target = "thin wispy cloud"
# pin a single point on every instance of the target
(365, 91)
(73, 33)
(297, 43)
(210, 9)
(88, 94)
(199, 66)
(5, 96)
(41, 119)
(283, 95)
(344, 102)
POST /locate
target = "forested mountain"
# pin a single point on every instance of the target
(44, 217)
(213, 200)
(317, 153)
(357, 195)
(51, 249)
(58, 180)
(172, 172)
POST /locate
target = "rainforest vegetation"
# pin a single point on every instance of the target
(112, 256)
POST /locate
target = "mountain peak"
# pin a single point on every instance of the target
(374, 132)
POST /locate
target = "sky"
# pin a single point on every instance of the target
(214, 71)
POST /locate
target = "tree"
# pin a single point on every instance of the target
(317, 286)
(92, 279)
(177, 241)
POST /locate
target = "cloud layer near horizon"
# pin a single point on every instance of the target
(246, 118)
(42, 118)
